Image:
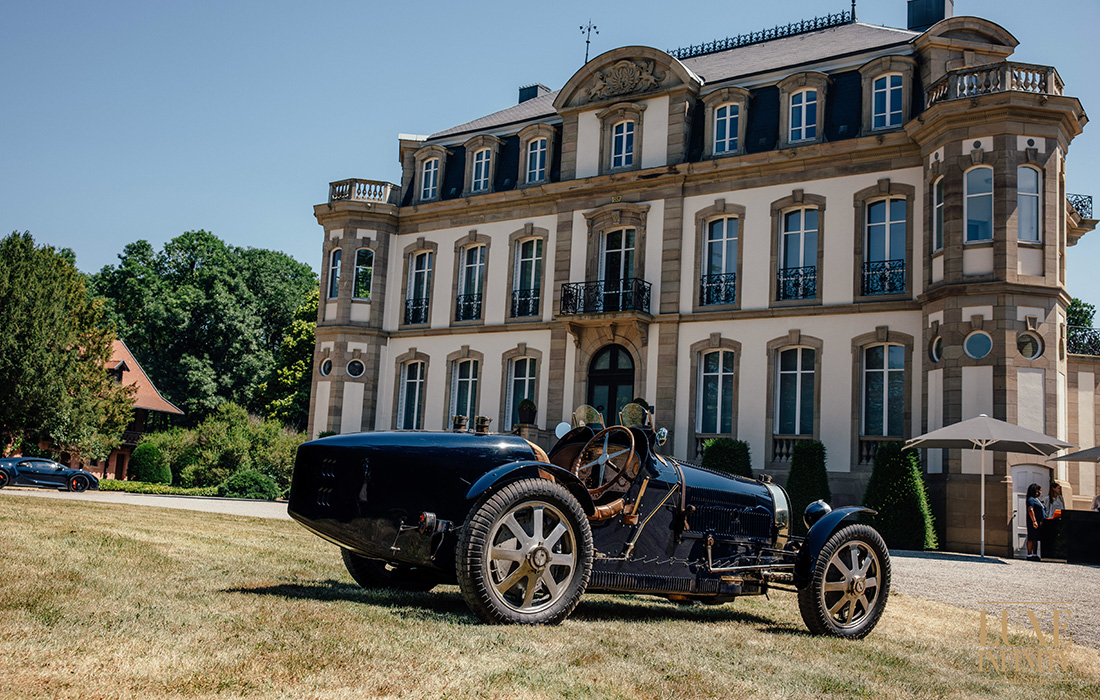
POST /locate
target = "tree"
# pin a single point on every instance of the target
(1080, 313)
(53, 380)
(896, 491)
(204, 318)
(284, 396)
(808, 480)
(728, 455)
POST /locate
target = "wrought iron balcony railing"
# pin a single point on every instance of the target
(364, 191)
(1082, 204)
(525, 302)
(884, 277)
(1006, 76)
(796, 283)
(605, 296)
(718, 289)
(468, 307)
(1081, 340)
(416, 310)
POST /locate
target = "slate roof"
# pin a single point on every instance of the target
(147, 396)
(744, 61)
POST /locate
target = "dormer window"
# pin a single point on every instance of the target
(622, 145)
(536, 148)
(725, 129)
(726, 114)
(803, 113)
(481, 163)
(621, 139)
(886, 100)
(480, 182)
(803, 116)
(536, 160)
(429, 180)
(430, 163)
(887, 90)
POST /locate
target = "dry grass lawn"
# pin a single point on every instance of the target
(105, 601)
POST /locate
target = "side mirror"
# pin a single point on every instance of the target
(562, 429)
(662, 436)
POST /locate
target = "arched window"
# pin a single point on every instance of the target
(611, 382)
(884, 247)
(886, 96)
(1028, 226)
(725, 128)
(521, 385)
(527, 277)
(794, 391)
(470, 283)
(480, 180)
(714, 414)
(429, 179)
(334, 273)
(719, 282)
(536, 160)
(937, 220)
(884, 390)
(803, 115)
(622, 144)
(418, 295)
(798, 255)
(978, 204)
(464, 377)
(410, 406)
(364, 268)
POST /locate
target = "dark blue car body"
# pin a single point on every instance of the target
(44, 473)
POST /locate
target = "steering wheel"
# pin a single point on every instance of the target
(619, 461)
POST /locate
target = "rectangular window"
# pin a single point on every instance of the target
(471, 279)
(334, 274)
(715, 409)
(978, 202)
(411, 403)
(795, 392)
(364, 268)
(480, 181)
(521, 385)
(418, 295)
(804, 115)
(887, 100)
(884, 262)
(797, 276)
(884, 391)
(719, 283)
(527, 278)
(1027, 205)
(464, 389)
(429, 179)
(937, 223)
(622, 145)
(536, 160)
(725, 128)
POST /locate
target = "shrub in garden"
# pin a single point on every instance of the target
(249, 483)
(148, 464)
(896, 491)
(728, 455)
(807, 481)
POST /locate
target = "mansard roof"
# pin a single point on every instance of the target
(787, 53)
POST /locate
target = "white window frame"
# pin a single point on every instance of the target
(937, 214)
(528, 381)
(625, 251)
(893, 101)
(729, 260)
(800, 233)
(1037, 197)
(732, 115)
(420, 280)
(471, 385)
(887, 226)
(721, 376)
(415, 384)
(429, 179)
(334, 273)
(886, 373)
(799, 374)
(968, 196)
(802, 132)
(622, 132)
(534, 261)
(537, 151)
(482, 159)
(369, 267)
(472, 271)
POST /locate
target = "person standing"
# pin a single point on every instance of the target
(1035, 516)
(1056, 503)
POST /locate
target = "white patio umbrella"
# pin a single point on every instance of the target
(985, 432)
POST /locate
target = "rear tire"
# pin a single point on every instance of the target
(4, 478)
(850, 584)
(78, 483)
(375, 574)
(524, 555)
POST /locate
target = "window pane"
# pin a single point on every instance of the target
(727, 361)
(979, 181)
(876, 212)
(788, 397)
(979, 218)
(727, 403)
(897, 357)
(806, 420)
(1027, 214)
(808, 357)
(872, 403)
(710, 362)
(788, 360)
(897, 240)
(710, 404)
(874, 357)
(896, 407)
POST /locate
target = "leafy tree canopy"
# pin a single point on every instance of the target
(1080, 313)
(54, 385)
(284, 396)
(205, 319)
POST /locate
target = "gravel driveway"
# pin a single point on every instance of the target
(967, 580)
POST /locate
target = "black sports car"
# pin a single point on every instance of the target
(44, 473)
(525, 533)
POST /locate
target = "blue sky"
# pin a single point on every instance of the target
(129, 120)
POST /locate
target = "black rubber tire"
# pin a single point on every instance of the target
(473, 562)
(375, 574)
(812, 599)
(78, 483)
(4, 478)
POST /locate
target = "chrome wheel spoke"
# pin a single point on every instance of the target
(532, 584)
(512, 524)
(537, 529)
(834, 586)
(561, 560)
(507, 554)
(553, 537)
(839, 604)
(871, 582)
(516, 576)
(552, 586)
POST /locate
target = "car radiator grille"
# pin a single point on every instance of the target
(735, 522)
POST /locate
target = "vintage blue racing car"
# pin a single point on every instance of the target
(525, 533)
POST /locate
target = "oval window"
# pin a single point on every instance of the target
(326, 368)
(978, 345)
(355, 368)
(936, 349)
(1029, 345)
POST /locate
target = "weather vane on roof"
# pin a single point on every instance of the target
(587, 31)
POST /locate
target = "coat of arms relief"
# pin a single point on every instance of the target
(624, 78)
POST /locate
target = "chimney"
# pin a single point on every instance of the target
(530, 92)
(924, 13)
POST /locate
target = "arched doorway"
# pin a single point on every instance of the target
(611, 382)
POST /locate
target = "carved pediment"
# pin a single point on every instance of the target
(624, 72)
(624, 78)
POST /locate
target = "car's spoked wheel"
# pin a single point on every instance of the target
(3, 478)
(78, 483)
(850, 584)
(525, 554)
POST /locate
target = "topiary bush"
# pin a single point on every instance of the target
(148, 464)
(896, 491)
(249, 483)
(808, 481)
(728, 455)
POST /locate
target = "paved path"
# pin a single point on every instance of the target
(232, 506)
(967, 580)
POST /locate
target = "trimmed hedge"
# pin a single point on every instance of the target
(728, 455)
(149, 464)
(808, 481)
(160, 489)
(249, 483)
(896, 491)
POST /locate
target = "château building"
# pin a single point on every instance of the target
(830, 231)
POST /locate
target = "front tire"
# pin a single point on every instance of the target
(4, 478)
(851, 581)
(78, 483)
(375, 574)
(525, 554)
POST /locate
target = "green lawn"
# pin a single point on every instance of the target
(103, 601)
